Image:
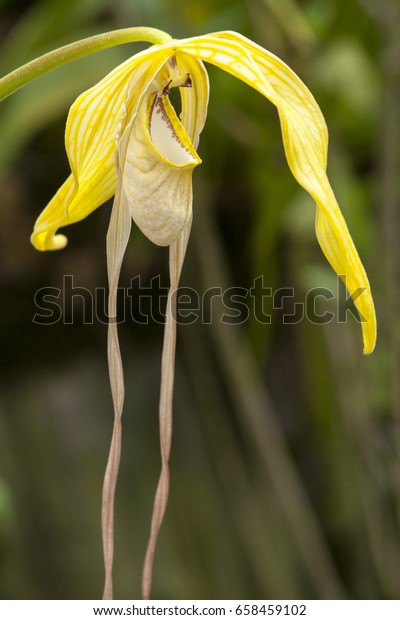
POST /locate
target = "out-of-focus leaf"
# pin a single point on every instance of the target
(6, 506)
(47, 25)
(292, 21)
(345, 71)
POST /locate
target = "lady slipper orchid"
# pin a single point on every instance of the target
(124, 137)
(127, 120)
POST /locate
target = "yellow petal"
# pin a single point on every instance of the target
(157, 170)
(68, 206)
(90, 137)
(305, 140)
(194, 99)
(337, 245)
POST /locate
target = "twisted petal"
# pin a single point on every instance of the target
(305, 140)
(90, 139)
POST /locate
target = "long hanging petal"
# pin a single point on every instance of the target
(177, 252)
(305, 140)
(90, 138)
(117, 239)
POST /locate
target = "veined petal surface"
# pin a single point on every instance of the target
(305, 139)
(194, 99)
(90, 138)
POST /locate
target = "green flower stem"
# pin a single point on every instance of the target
(34, 69)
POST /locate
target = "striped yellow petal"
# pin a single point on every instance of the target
(305, 140)
(90, 138)
(194, 99)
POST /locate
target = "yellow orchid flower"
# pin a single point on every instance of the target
(124, 138)
(129, 109)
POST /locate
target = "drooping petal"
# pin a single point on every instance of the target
(305, 140)
(90, 137)
(177, 252)
(117, 240)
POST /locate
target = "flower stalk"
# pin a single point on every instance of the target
(15, 80)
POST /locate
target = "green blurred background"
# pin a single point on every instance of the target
(285, 461)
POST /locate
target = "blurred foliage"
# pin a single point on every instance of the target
(285, 463)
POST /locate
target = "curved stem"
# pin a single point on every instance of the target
(34, 69)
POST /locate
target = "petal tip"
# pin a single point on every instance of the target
(369, 347)
(370, 334)
(45, 241)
